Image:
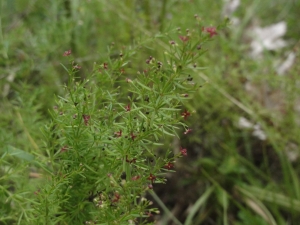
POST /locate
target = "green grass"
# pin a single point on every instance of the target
(230, 177)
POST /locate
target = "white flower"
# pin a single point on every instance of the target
(287, 64)
(259, 133)
(268, 38)
(244, 123)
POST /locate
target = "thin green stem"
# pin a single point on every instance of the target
(1, 33)
(162, 14)
(164, 207)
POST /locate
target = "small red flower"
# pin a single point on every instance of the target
(127, 108)
(77, 67)
(105, 66)
(183, 151)
(184, 38)
(211, 30)
(185, 114)
(116, 197)
(64, 149)
(152, 178)
(86, 119)
(67, 53)
(172, 42)
(118, 133)
(132, 136)
(169, 166)
(188, 131)
(135, 177)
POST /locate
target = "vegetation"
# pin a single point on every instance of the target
(92, 118)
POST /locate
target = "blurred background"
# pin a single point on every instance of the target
(243, 151)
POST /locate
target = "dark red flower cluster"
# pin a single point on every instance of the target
(105, 66)
(148, 61)
(183, 151)
(211, 30)
(64, 149)
(152, 178)
(116, 197)
(133, 136)
(118, 133)
(127, 108)
(185, 114)
(67, 53)
(169, 166)
(184, 38)
(86, 119)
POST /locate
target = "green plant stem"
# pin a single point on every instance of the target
(162, 14)
(147, 7)
(1, 33)
(198, 204)
(163, 206)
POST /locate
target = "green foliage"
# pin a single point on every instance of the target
(101, 152)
